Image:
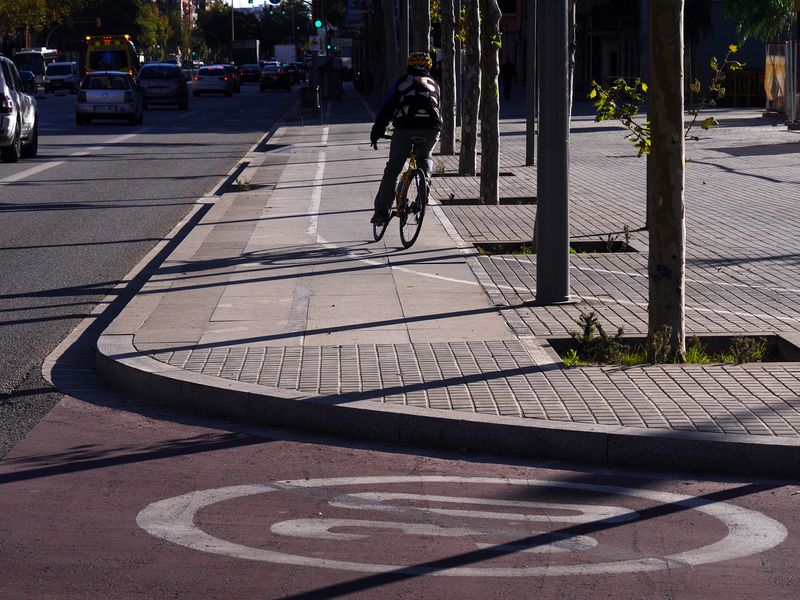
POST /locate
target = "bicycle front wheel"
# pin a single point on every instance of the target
(416, 199)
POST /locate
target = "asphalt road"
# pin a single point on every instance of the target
(77, 218)
(103, 500)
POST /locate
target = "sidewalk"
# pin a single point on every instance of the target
(278, 307)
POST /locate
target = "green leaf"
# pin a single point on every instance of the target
(709, 123)
(695, 87)
(733, 48)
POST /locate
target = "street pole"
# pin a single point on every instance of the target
(404, 30)
(552, 206)
(459, 82)
(233, 29)
(531, 86)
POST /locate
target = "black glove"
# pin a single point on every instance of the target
(374, 136)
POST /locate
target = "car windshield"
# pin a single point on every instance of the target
(58, 70)
(158, 73)
(105, 82)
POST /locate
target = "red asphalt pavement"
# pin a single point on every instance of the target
(99, 502)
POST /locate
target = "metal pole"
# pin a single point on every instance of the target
(459, 82)
(233, 30)
(404, 30)
(531, 87)
(552, 239)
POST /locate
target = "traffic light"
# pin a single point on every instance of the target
(316, 12)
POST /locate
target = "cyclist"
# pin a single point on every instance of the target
(412, 106)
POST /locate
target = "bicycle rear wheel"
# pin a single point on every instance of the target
(416, 199)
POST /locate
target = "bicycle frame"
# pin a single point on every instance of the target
(400, 206)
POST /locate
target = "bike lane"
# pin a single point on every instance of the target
(99, 502)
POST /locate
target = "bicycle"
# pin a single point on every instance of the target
(410, 200)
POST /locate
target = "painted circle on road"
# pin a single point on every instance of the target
(749, 532)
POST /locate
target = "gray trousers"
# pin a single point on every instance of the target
(399, 151)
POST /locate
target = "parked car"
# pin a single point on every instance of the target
(233, 73)
(109, 95)
(62, 76)
(29, 85)
(163, 83)
(250, 73)
(275, 76)
(19, 125)
(212, 79)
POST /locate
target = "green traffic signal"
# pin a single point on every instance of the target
(317, 23)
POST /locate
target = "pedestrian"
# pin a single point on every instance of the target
(507, 75)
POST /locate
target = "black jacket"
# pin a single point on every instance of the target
(412, 103)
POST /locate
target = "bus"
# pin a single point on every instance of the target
(111, 53)
(35, 60)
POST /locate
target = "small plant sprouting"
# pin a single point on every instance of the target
(243, 185)
(747, 349)
(660, 345)
(626, 233)
(611, 241)
(594, 344)
(439, 169)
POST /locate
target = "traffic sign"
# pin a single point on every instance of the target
(313, 43)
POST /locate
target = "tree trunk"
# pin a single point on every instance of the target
(472, 89)
(392, 49)
(531, 91)
(490, 102)
(573, 47)
(421, 26)
(666, 334)
(448, 107)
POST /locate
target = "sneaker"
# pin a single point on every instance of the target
(379, 220)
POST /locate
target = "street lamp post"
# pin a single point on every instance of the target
(233, 29)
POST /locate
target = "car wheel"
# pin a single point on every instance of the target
(31, 149)
(11, 154)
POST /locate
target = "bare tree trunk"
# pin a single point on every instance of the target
(531, 89)
(421, 25)
(392, 49)
(666, 334)
(573, 47)
(490, 102)
(472, 89)
(448, 107)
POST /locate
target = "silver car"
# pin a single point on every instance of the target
(19, 124)
(212, 79)
(109, 95)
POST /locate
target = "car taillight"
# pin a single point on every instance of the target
(195, 78)
(81, 96)
(6, 107)
(224, 79)
(128, 97)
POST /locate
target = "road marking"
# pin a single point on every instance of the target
(748, 532)
(29, 172)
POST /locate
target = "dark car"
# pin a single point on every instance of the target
(300, 70)
(28, 79)
(232, 72)
(250, 73)
(275, 77)
(163, 83)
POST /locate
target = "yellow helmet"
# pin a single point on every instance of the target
(420, 59)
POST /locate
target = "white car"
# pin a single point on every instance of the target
(19, 116)
(212, 79)
(109, 95)
(62, 76)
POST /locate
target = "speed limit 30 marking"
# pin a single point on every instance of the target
(748, 532)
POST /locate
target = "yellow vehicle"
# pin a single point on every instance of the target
(111, 53)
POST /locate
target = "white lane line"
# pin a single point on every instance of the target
(29, 172)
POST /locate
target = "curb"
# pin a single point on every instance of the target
(123, 367)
